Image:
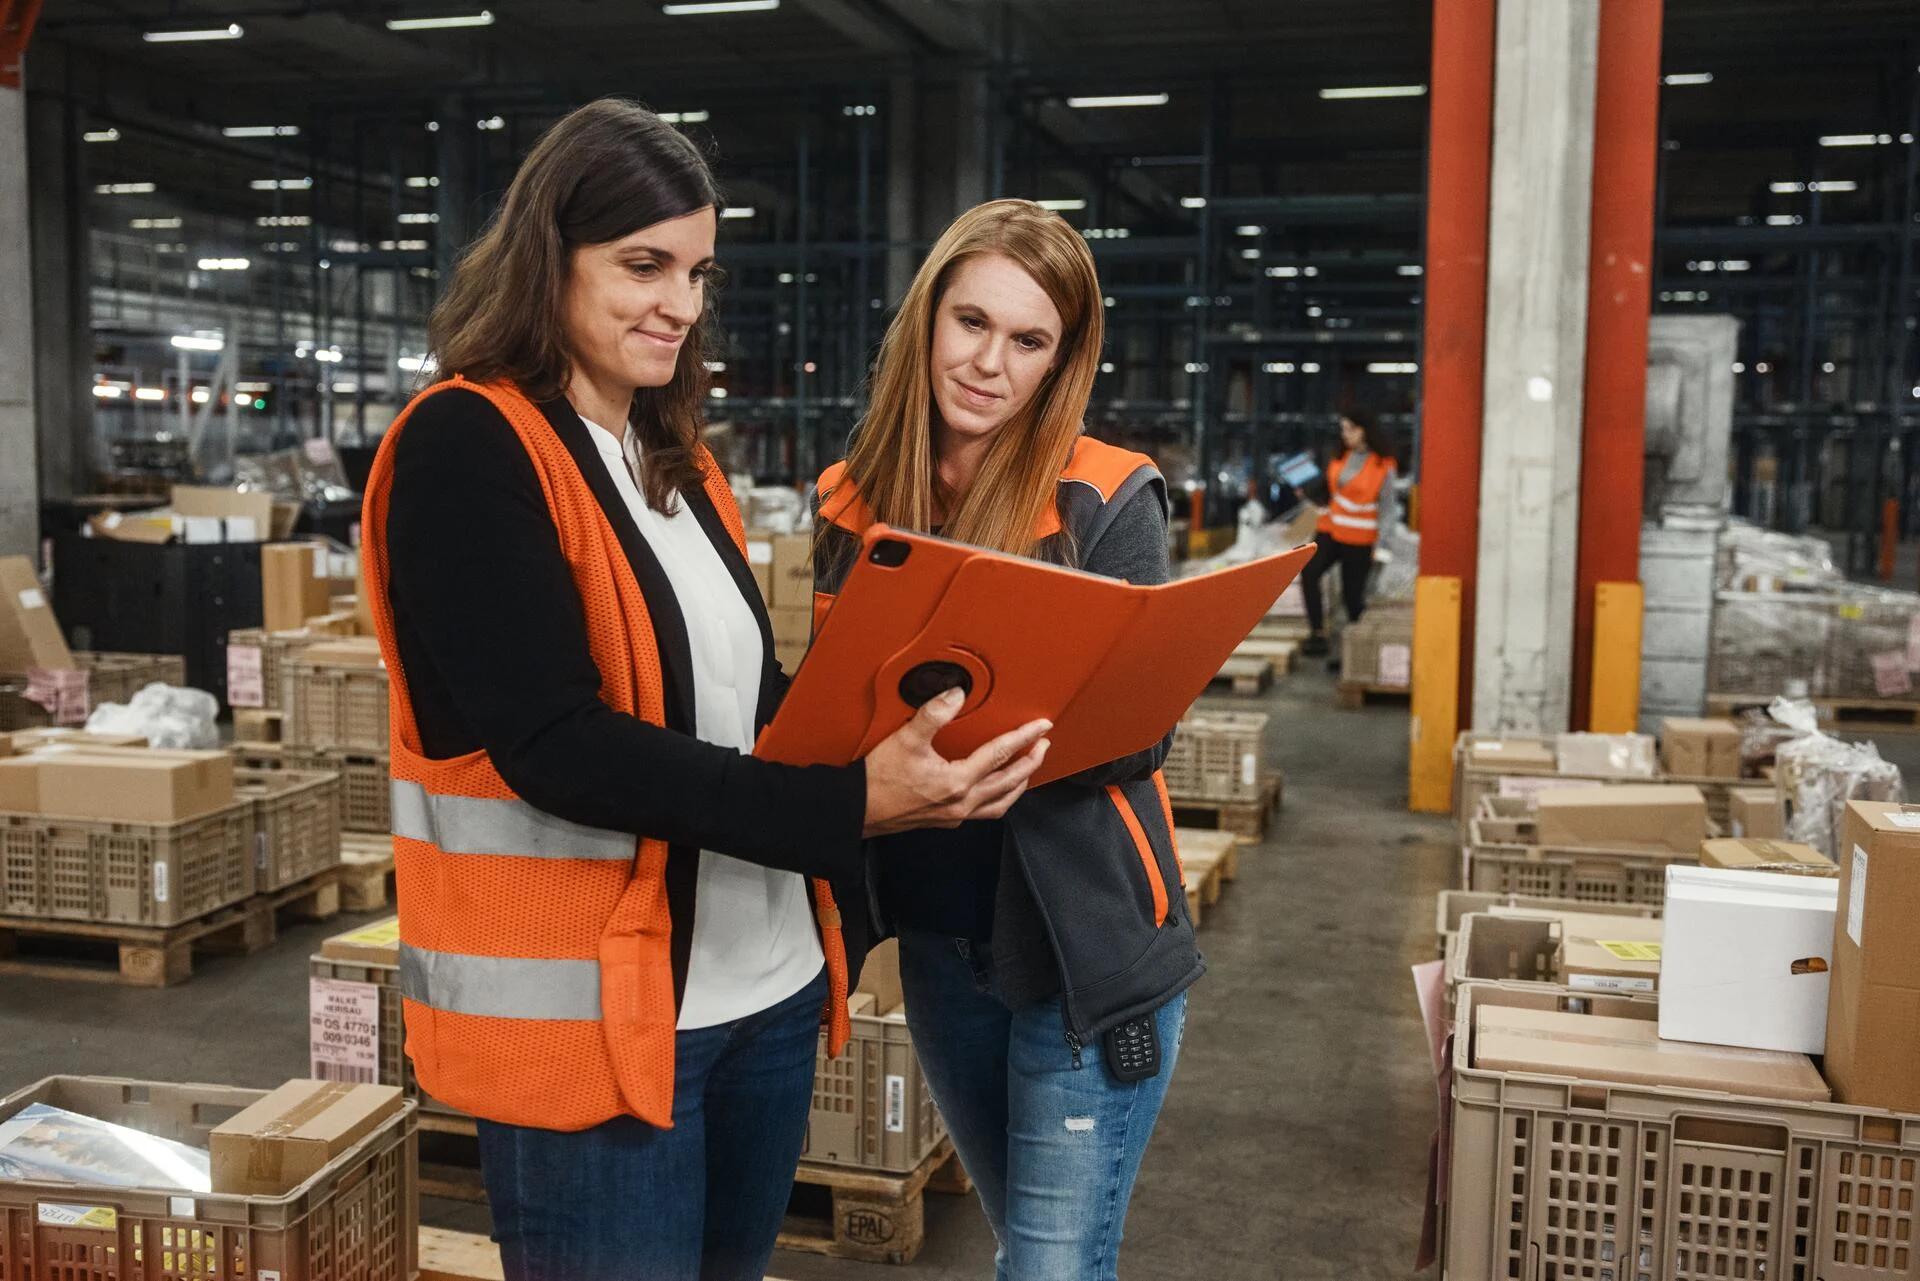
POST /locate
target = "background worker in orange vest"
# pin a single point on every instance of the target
(1361, 502)
(1045, 956)
(620, 934)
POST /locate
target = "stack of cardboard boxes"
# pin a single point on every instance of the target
(783, 568)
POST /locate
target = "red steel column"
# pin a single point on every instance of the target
(1459, 173)
(1625, 151)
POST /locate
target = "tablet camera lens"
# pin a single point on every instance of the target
(890, 553)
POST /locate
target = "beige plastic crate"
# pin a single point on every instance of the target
(1218, 756)
(335, 708)
(1453, 905)
(116, 678)
(275, 649)
(1360, 644)
(357, 1220)
(74, 869)
(1578, 1180)
(1584, 875)
(365, 782)
(296, 823)
(871, 1106)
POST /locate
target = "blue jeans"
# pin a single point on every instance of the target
(1052, 1148)
(625, 1201)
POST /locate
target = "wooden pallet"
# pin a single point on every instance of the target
(1246, 819)
(1352, 695)
(458, 1256)
(1208, 860)
(1283, 654)
(1843, 715)
(870, 1216)
(160, 956)
(1245, 676)
(1282, 627)
(366, 871)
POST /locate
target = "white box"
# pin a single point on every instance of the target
(1746, 957)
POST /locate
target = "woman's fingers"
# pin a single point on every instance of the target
(995, 753)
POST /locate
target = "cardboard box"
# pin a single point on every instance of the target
(375, 944)
(1606, 755)
(1748, 855)
(880, 978)
(36, 740)
(791, 626)
(134, 527)
(6, 745)
(29, 634)
(1594, 1047)
(792, 572)
(1746, 959)
(347, 651)
(244, 517)
(1696, 748)
(1609, 954)
(280, 1142)
(135, 786)
(1873, 1014)
(20, 785)
(1516, 754)
(760, 561)
(1755, 812)
(1662, 817)
(293, 584)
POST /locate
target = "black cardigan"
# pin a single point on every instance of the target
(493, 642)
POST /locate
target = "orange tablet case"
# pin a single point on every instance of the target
(1112, 664)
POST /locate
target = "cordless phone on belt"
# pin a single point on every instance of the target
(1133, 1049)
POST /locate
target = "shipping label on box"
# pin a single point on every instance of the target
(246, 676)
(344, 1036)
(1395, 666)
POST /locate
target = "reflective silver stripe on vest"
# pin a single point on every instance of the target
(469, 825)
(1352, 506)
(500, 987)
(1352, 522)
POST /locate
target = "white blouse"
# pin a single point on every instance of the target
(754, 942)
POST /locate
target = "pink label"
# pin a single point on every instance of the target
(1527, 785)
(1890, 674)
(246, 682)
(1913, 643)
(319, 451)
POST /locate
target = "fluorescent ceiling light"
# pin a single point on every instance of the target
(100, 135)
(1373, 91)
(1283, 273)
(344, 388)
(155, 224)
(718, 6)
(418, 364)
(1278, 367)
(1736, 264)
(282, 247)
(717, 393)
(281, 184)
(106, 391)
(1251, 255)
(261, 131)
(1833, 186)
(738, 211)
(124, 189)
(150, 393)
(1310, 367)
(1393, 367)
(482, 19)
(491, 124)
(1784, 220)
(1120, 100)
(419, 219)
(329, 355)
(1411, 269)
(232, 31)
(716, 366)
(1107, 233)
(420, 182)
(1854, 139)
(201, 395)
(225, 264)
(1786, 188)
(1251, 229)
(1062, 206)
(283, 220)
(685, 117)
(1688, 78)
(1193, 202)
(253, 387)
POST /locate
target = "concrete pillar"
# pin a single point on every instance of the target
(19, 468)
(1537, 270)
(903, 154)
(62, 301)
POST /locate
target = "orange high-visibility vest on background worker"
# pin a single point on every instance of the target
(1353, 516)
(536, 967)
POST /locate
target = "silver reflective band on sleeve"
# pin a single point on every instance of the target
(470, 825)
(1352, 522)
(500, 987)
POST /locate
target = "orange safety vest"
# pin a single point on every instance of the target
(536, 967)
(1353, 517)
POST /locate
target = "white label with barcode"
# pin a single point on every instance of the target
(344, 1041)
(896, 1105)
(1904, 820)
(260, 851)
(1857, 896)
(1249, 769)
(159, 882)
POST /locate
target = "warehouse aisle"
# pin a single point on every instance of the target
(1295, 1139)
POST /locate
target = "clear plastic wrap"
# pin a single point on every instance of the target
(166, 716)
(1607, 755)
(1818, 774)
(1761, 641)
(41, 1143)
(1396, 565)
(1758, 560)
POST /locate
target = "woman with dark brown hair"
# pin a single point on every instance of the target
(619, 932)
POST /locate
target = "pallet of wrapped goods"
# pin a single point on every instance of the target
(334, 696)
(1569, 1170)
(356, 1215)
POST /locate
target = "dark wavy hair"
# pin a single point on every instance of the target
(602, 173)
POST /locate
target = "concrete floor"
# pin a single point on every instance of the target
(1294, 1141)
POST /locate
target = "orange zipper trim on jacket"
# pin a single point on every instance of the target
(1145, 849)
